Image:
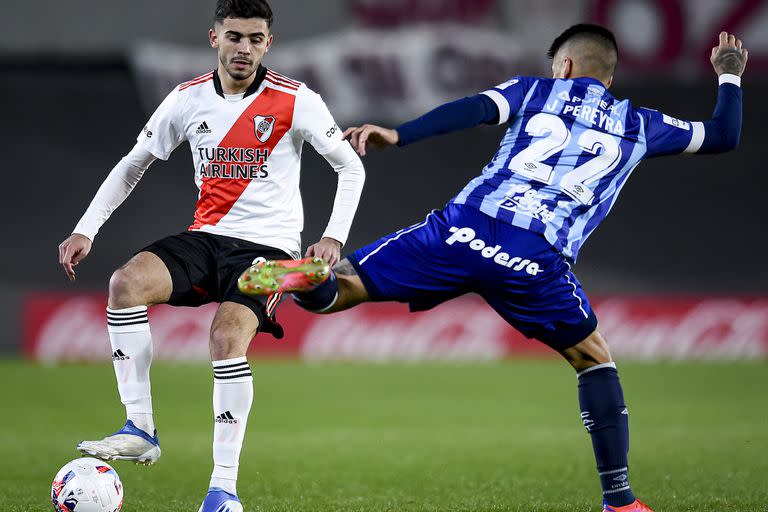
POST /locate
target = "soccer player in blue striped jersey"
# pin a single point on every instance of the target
(513, 232)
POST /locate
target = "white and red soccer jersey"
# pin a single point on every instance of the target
(246, 151)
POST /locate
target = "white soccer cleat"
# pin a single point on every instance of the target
(128, 443)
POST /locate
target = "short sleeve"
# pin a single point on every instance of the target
(314, 122)
(165, 129)
(666, 135)
(509, 97)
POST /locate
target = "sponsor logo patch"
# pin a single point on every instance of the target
(495, 253)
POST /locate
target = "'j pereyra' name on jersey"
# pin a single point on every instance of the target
(246, 152)
(569, 149)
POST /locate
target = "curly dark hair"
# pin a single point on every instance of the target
(243, 9)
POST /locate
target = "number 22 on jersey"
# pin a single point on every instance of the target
(551, 136)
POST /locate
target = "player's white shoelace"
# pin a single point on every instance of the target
(122, 447)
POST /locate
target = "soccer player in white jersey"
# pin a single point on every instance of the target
(246, 126)
(513, 232)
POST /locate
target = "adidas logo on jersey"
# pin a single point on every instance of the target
(118, 355)
(225, 417)
(467, 236)
(203, 128)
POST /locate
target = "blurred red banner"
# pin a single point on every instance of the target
(64, 327)
(387, 13)
(658, 36)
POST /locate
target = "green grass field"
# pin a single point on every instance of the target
(503, 436)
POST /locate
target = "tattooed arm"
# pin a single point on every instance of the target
(723, 131)
(729, 57)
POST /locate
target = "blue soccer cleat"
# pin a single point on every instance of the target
(219, 500)
(129, 443)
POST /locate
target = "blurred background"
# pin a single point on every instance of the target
(676, 271)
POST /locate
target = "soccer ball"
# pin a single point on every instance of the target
(87, 485)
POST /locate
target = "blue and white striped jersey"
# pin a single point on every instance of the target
(569, 150)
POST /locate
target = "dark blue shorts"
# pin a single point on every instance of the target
(461, 250)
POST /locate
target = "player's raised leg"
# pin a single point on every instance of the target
(143, 281)
(315, 287)
(606, 418)
(273, 276)
(233, 328)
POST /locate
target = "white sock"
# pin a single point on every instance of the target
(232, 399)
(132, 356)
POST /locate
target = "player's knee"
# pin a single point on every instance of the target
(227, 342)
(590, 352)
(123, 292)
(351, 293)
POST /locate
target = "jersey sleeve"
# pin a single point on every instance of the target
(509, 97)
(666, 135)
(165, 129)
(314, 122)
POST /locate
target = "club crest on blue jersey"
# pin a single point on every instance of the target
(263, 126)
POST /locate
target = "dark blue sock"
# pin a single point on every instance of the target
(605, 417)
(321, 297)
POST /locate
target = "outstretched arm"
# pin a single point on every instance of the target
(667, 136)
(450, 117)
(116, 187)
(722, 132)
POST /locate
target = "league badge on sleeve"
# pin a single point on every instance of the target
(677, 123)
(263, 125)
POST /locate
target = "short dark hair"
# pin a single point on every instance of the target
(596, 33)
(243, 9)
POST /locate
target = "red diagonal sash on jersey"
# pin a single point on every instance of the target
(217, 195)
